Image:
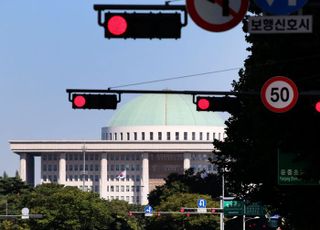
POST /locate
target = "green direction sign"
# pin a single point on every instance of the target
(290, 170)
(255, 209)
(233, 207)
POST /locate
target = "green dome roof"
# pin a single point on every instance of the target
(163, 109)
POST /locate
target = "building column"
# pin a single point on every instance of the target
(30, 169)
(26, 172)
(103, 175)
(186, 161)
(23, 167)
(62, 168)
(145, 179)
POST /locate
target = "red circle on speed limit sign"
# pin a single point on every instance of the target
(279, 94)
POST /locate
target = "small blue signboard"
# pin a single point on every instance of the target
(280, 7)
(148, 210)
(202, 203)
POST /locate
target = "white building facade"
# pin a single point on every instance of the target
(146, 140)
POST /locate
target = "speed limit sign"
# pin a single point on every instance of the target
(279, 94)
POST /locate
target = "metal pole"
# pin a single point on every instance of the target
(84, 167)
(244, 222)
(244, 215)
(222, 202)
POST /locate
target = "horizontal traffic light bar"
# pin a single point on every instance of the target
(108, 99)
(227, 101)
(133, 21)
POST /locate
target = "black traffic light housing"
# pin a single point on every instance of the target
(218, 104)
(142, 25)
(141, 21)
(94, 101)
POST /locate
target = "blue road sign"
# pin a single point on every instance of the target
(280, 7)
(202, 203)
(148, 209)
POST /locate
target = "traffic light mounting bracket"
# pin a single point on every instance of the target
(114, 7)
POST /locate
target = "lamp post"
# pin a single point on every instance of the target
(84, 167)
(244, 220)
(222, 202)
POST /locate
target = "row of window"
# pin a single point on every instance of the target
(123, 157)
(199, 167)
(208, 168)
(163, 136)
(89, 188)
(134, 199)
(79, 156)
(126, 157)
(70, 177)
(127, 178)
(71, 156)
(50, 178)
(202, 157)
(70, 167)
(123, 188)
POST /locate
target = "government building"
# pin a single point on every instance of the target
(148, 138)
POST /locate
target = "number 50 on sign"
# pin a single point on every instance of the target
(279, 94)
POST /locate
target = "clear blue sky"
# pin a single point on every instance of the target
(49, 46)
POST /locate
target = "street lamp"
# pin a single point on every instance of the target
(84, 167)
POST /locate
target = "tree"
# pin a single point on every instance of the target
(66, 208)
(69, 208)
(181, 221)
(254, 134)
(186, 183)
(12, 185)
(5, 175)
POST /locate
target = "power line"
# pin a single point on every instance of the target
(314, 56)
(175, 78)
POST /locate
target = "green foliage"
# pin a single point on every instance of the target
(186, 183)
(66, 208)
(255, 134)
(12, 185)
(181, 221)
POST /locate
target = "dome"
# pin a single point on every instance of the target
(163, 110)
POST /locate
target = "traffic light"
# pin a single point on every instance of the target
(218, 104)
(142, 25)
(94, 101)
(309, 104)
(317, 105)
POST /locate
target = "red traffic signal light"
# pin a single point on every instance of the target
(317, 106)
(94, 101)
(142, 25)
(117, 25)
(218, 104)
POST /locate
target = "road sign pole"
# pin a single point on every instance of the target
(222, 202)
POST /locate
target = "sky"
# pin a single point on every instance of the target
(47, 47)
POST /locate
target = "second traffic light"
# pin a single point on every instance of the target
(94, 101)
(142, 25)
(218, 104)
